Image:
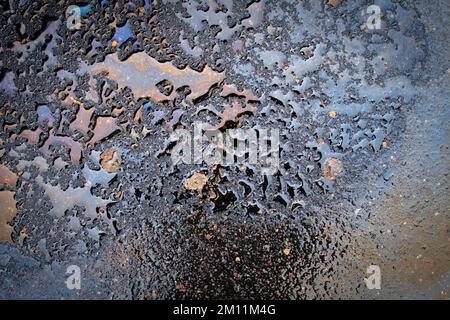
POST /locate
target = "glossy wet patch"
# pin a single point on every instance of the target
(86, 122)
(74, 147)
(142, 74)
(104, 127)
(82, 120)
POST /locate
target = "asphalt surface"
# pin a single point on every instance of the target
(87, 176)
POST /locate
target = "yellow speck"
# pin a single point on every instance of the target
(286, 251)
(384, 144)
(114, 43)
(332, 114)
(75, 100)
(238, 259)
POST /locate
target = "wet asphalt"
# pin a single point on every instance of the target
(87, 176)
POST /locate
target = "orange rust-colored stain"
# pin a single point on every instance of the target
(334, 3)
(7, 177)
(332, 167)
(10, 127)
(196, 182)
(141, 73)
(182, 287)
(117, 111)
(110, 160)
(8, 211)
(75, 100)
(138, 115)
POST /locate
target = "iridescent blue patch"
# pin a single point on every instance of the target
(148, 105)
(85, 10)
(122, 34)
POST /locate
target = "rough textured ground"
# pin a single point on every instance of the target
(86, 175)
